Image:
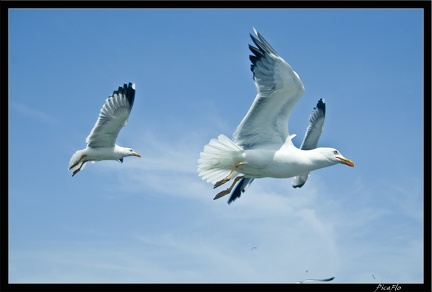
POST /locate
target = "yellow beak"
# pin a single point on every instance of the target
(136, 154)
(346, 161)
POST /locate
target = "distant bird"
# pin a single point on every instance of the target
(316, 280)
(310, 141)
(101, 141)
(262, 145)
(253, 247)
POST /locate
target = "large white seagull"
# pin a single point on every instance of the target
(261, 145)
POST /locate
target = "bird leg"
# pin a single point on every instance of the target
(78, 169)
(228, 190)
(82, 157)
(221, 182)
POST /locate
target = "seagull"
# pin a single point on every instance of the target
(261, 145)
(315, 280)
(310, 141)
(101, 141)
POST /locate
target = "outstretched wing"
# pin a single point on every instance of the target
(112, 117)
(312, 135)
(279, 88)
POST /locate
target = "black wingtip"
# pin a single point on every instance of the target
(321, 105)
(240, 189)
(262, 49)
(258, 54)
(129, 91)
(235, 194)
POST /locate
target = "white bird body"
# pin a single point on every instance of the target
(285, 162)
(101, 141)
(262, 145)
(101, 153)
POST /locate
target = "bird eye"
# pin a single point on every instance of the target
(335, 152)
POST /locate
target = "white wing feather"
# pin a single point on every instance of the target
(312, 135)
(279, 88)
(112, 117)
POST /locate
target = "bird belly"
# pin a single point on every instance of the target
(272, 163)
(102, 153)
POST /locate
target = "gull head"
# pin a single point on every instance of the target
(340, 159)
(130, 152)
(331, 156)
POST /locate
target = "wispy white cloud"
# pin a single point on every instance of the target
(292, 234)
(33, 113)
(294, 230)
(311, 228)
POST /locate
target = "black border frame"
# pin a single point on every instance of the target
(4, 200)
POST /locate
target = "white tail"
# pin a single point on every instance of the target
(218, 159)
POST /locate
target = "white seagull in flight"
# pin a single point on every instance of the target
(101, 142)
(262, 145)
(310, 141)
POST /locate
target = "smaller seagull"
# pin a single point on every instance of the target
(316, 280)
(253, 247)
(101, 142)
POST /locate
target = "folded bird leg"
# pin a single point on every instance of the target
(82, 160)
(78, 169)
(221, 182)
(227, 191)
(73, 165)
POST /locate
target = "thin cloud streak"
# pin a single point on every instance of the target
(33, 113)
(313, 227)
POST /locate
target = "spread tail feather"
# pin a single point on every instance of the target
(218, 159)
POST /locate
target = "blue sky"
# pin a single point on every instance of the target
(152, 219)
